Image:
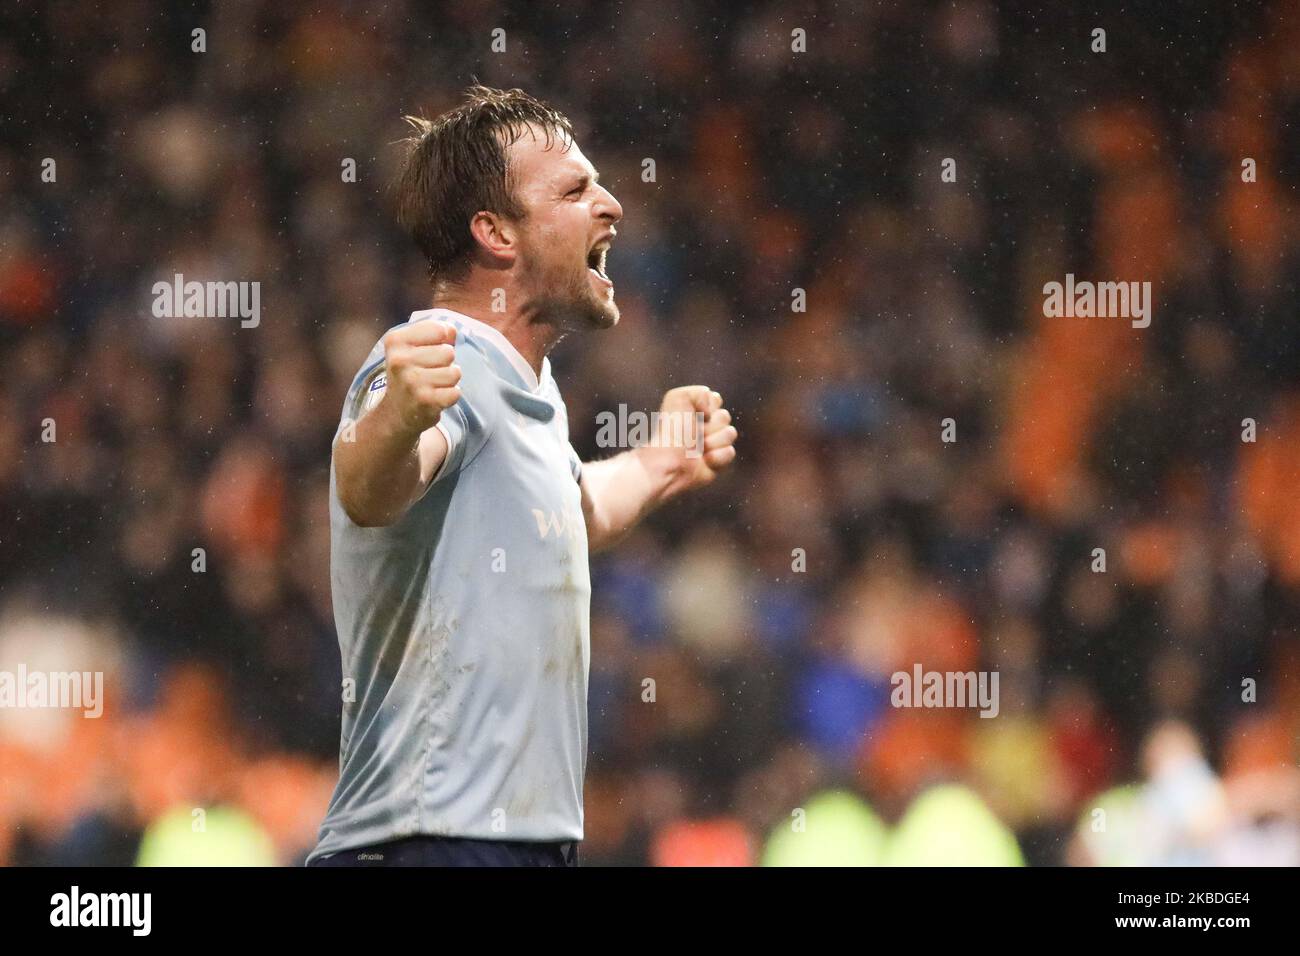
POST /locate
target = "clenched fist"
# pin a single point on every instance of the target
(695, 439)
(422, 373)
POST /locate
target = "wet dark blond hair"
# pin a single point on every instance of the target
(456, 166)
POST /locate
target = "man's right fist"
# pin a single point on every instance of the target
(422, 372)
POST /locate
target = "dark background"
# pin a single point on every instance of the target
(775, 170)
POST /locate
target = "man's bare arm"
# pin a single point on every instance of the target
(619, 492)
(384, 464)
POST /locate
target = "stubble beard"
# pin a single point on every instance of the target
(568, 302)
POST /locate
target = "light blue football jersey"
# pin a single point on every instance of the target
(464, 626)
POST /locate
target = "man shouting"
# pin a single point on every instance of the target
(461, 517)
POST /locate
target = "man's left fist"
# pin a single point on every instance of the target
(694, 435)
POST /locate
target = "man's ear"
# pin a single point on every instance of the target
(494, 235)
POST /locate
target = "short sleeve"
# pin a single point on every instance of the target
(465, 425)
(562, 426)
(367, 389)
(455, 427)
(575, 464)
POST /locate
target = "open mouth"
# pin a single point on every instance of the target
(596, 261)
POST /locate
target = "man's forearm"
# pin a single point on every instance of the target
(378, 471)
(618, 492)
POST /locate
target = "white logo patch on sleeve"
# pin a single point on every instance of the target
(374, 392)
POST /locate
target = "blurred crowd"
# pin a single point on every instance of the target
(174, 532)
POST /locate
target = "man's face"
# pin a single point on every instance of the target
(567, 229)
